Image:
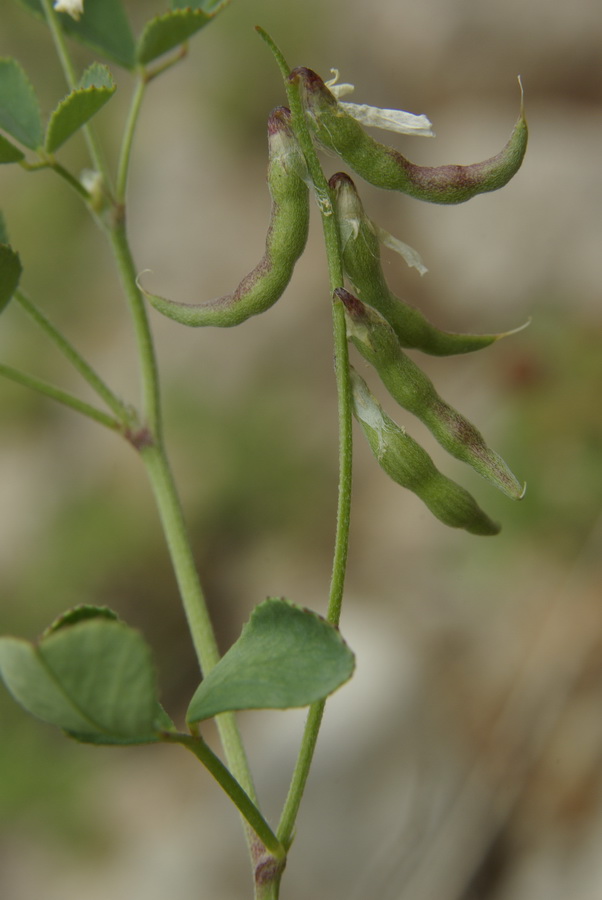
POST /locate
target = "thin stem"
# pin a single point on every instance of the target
(335, 269)
(50, 163)
(146, 351)
(239, 797)
(63, 397)
(290, 810)
(74, 357)
(128, 137)
(195, 607)
(56, 31)
(179, 55)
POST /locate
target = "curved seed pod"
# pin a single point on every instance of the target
(414, 391)
(285, 242)
(385, 167)
(361, 257)
(410, 466)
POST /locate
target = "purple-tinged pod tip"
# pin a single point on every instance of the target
(279, 120)
(353, 306)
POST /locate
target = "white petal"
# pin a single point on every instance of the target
(389, 119)
(73, 8)
(411, 256)
(338, 90)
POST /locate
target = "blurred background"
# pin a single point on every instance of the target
(464, 760)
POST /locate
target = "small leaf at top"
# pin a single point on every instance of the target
(94, 90)
(95, 679)
(19, 107)
(8, 152)
(286, 657)
(168, 31)
(104, 26)
(10, 273)
(96, 76)
(80, 614)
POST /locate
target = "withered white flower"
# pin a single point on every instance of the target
(396, 120)
(73, 8)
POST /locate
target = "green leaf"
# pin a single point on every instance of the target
(19, 107)
(10, 273)
(168, 31)
(96, 87)
(286, 657)
(8, 152)
(104, 26)
(80, 614)
(94, 679)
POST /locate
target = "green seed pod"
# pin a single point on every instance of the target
(411, 467)
(285, 242)
(414, 391)
(361, 258)
(386, 168)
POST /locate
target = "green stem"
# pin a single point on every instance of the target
(195, 607)
(146, 351)
(336, 276)
(231, 786)
(63, 397)
(179, 55)
(74, 357)
(128, 137)
(48, 162)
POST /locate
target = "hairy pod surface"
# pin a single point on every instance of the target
(410, 466)
(386, 168)
(414, 391)
(285, 242)
(361, 258)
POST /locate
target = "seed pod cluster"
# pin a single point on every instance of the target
(411, 467)
(285, 242)
(414, 391)
(361, 258)
(386, 168)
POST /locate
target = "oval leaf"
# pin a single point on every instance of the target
(103, 26)
(94, 90)
(168, 31)
(10, 273)
(95, 679)
(19, 107)
(8, 152)
(286, 657)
